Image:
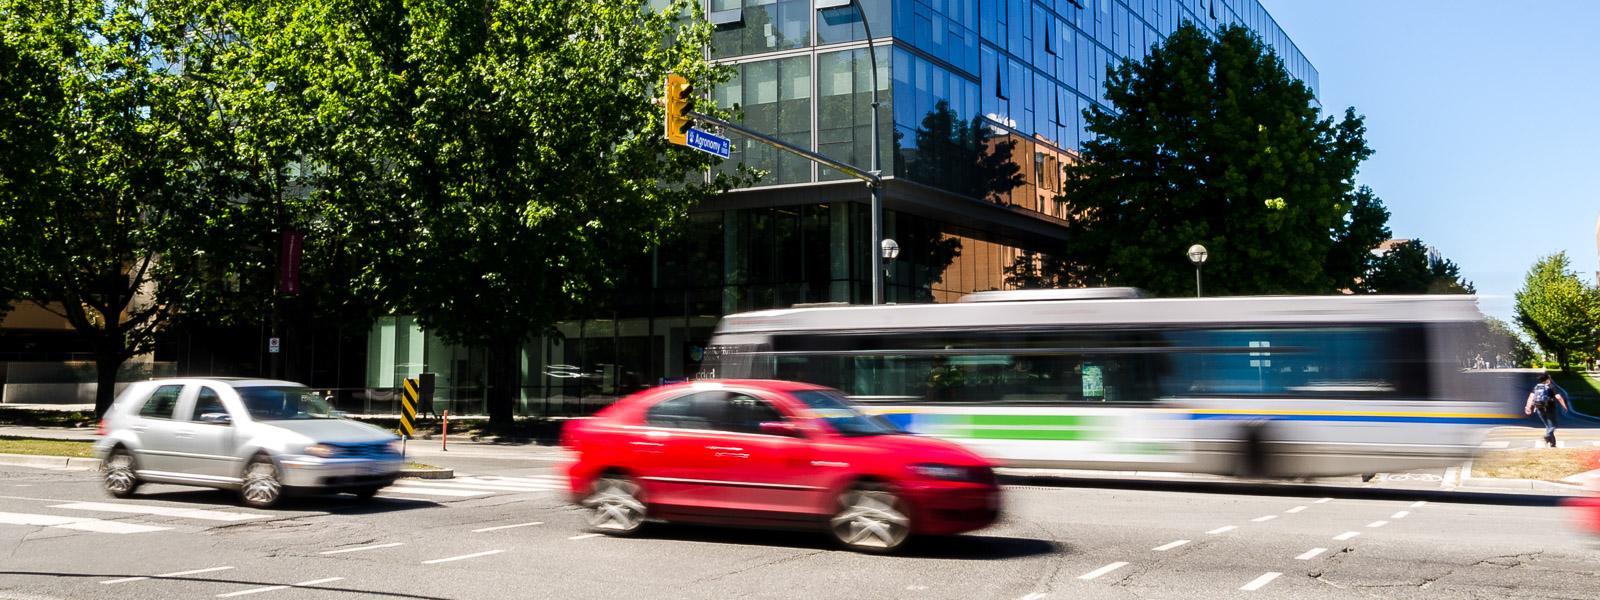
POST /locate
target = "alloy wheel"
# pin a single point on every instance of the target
(261, 486)
(870, 519)
(120, 479)
(615, 507)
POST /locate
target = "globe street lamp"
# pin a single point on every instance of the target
(877, 170)
(890, 251)
(1197, 255)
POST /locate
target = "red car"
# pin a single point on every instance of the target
(773, 453)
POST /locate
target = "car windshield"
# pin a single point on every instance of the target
(845, 419)
(284, 403)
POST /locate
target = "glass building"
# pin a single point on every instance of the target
(961, 84)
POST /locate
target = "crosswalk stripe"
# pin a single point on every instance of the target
(164, 511)
(1499, 444)
(472, 485)
(427, 491)
(76, 523)
(535, 479)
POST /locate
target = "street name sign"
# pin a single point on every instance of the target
(708, 142)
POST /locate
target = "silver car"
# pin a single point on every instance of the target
(264, 438)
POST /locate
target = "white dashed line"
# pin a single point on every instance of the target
(1419, 504)
(1258, 582)
(274, 588)
(1169, 545)
(1295, 509)
(585, 536)
(1222, 529)
(1322, 501)
(1377, 524)
(1346, 535)
(1263, 519)
(1310, 554)
(1400, 515)
(1033, 596)
(462, 557)
(160, 511)
(508, 527)
(1495, 444)
(360, 548)
(177, 574)
(1102, 571)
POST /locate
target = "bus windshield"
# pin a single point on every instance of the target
(845, 419)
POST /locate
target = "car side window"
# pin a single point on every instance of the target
(745, 414)
(208, 402)
(161, 402)
(693, 411)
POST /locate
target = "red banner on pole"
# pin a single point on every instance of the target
(289, 262)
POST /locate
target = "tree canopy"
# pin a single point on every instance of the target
(1213, 142)
(1558, 310)
(1410, 267)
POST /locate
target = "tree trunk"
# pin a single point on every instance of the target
(1561, 359)
(504, 384)
(106, 364)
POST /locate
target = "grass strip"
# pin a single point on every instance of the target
(75, 449)
(1546, 464)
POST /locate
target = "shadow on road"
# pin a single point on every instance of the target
(319, 588)
(343, 504)
(956, 547)
(1257, 488)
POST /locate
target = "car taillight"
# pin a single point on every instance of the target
(100, 428)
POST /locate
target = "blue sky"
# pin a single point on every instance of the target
(1485, 119)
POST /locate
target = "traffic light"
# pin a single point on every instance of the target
(679, 101)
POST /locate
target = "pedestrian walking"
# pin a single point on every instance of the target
(1543, 401)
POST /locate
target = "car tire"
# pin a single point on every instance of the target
(262, 487)
(367, 493)
(616, 505)
(120, 474)
(870, 518)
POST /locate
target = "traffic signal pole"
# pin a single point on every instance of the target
(869, 177)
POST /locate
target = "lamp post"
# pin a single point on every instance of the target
(877, 169)
(1197, 255)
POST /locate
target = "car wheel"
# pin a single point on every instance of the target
(615, 506)
(121, 478)
(261, 488)
(870, 518)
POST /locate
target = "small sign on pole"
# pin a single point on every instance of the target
(408, 408)
(708, 142)
(273, 345)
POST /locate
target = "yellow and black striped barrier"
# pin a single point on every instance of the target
(408, 407)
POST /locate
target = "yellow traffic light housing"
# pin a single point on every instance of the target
(679, 100)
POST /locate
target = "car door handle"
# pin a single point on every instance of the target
(184, 435)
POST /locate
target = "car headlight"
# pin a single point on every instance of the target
(320, 451)
(945, 472)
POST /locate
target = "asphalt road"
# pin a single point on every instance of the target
(503, 532)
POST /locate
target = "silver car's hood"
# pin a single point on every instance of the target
(333, 431)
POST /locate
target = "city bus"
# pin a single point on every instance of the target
(1108, 379)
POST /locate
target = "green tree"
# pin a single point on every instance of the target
(1558, 310)
(1213, 142)
(502, 159)
(121, 212)
(1410, 268)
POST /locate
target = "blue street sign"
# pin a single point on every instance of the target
(709, 143)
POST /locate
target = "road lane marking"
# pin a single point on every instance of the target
(161, 511)
(1034, 596)
(1258, 582)
(1346, 535)
(1295, 509)
(76, 523)
(1377, 524)
(1322, 501)
(1561, 443)
(1310, 554)
(1102, 571)
(585, 536)
(508, 527)
(1499, 444)
(489, 486)
(462, 557)
(1400, 515)
(1170, 545)
(1263, 519)
(274, 588)
(1222, 529)
(177, 574)
(427, 491)
(1419, 504)
(361, 548)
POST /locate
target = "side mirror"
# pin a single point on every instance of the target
(783, 428)
(216, 418)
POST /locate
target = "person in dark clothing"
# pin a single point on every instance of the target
(1542, 401)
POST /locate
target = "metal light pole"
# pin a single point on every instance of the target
(1197, 255)
(877, 169)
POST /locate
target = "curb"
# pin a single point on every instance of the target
(428, 473)
(40, 461)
